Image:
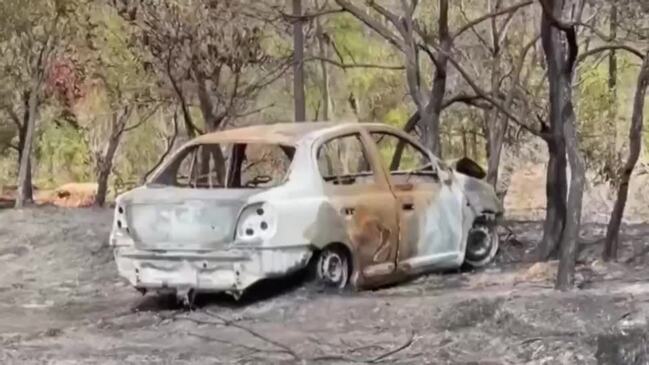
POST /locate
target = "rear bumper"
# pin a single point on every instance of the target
(212, 271)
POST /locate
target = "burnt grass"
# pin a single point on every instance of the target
(62, 302)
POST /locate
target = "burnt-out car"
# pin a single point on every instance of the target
(366, 204)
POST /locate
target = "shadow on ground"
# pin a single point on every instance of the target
(258, 292)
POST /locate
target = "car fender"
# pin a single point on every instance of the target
(480, 196)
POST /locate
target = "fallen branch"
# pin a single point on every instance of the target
(394, 351)
(226, 322)
(252, 349)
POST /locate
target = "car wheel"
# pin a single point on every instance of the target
(333, 267)
(481, 246)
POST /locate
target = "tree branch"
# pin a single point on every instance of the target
(12, 114)
(143, 119)
(254, 111)
(481, 19)
(310, 16)
(168, 148)
(484, 95)
(471, 100)
(371, 22)
(354, 65)
(610, 47)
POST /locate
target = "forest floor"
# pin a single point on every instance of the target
(61, 301)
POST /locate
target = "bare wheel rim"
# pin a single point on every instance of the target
(333, 268)
(479, 243)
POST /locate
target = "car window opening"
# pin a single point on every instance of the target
(401, 157)
(236, 166)
(343, 161)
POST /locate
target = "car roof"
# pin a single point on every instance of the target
(281, 133)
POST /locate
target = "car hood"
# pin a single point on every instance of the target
(480, 195)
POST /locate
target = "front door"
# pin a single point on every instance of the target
(361, 196)
(430, 205)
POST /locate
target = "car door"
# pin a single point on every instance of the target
(360, 194)
(430, 205)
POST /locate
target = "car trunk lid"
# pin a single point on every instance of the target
(184, 219)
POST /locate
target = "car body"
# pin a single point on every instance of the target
(365, 201)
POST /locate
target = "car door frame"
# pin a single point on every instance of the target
(414, 212)
(366, 272)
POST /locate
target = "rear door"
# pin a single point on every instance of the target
(359, 192)
(430, 205)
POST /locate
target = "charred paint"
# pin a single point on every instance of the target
(394, 222)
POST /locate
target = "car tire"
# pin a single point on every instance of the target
(481, 246)
(333, 267)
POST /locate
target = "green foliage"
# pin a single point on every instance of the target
(123, 64)
(62, 155)
(603, 119)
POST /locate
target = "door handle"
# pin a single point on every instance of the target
(348, 211)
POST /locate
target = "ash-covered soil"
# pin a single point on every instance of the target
(61, 302)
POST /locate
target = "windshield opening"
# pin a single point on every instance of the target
(236, 165)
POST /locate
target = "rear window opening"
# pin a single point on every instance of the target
(236, 166)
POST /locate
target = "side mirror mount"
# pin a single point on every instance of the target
(469, 167)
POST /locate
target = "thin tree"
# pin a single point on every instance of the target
(635, 144)
(298, 63)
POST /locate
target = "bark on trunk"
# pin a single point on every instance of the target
(568, 257)
(611, 122)
(555, 193)
(212, 122)
(635, 144)
(190, 127)
(561, 55)
(298, 63)
(102, 183)
(22, 134)
(556, 188)
(324, 82)
(495, 125)
(433, 111)
(465, 150)
(24, 194)
(429, 111)
(105, 160)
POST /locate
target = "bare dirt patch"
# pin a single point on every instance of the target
(62, 302)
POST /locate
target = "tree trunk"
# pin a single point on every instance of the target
(474, 145)
(495, 125)
(22, 134)
(298, 63)
(555, 193)
(570, 236)
(611, 122)
(465, 150)
(324, 82)
(556, 188)
(103, 173)
(635, 144)
(105, 160)
(429, 111)
(433, 111)
(24, 195)
(561, 55)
